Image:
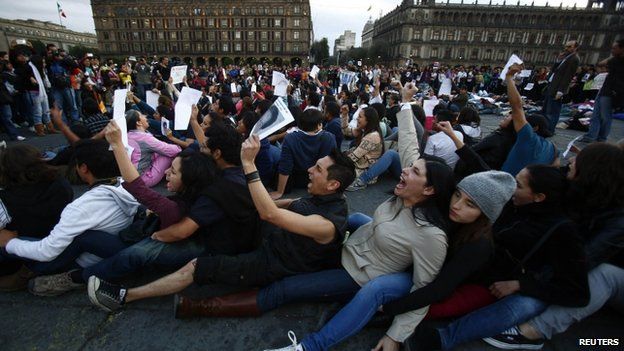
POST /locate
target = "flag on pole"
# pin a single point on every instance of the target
(60, 10)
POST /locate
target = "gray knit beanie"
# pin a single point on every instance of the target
(489, 190)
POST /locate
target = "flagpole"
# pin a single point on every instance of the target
(58, 11)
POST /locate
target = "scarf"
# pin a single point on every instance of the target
(42, 92)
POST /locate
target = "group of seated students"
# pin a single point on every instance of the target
(489, 233)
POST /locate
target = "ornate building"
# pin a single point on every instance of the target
(209, 31)
(46, 32)
(461, 33)
(344, 42)
(367, 34)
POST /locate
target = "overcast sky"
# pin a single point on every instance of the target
(330, 17)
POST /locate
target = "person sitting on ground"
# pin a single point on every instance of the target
(32, 196)
(531, 146)
(369, 144)
(306, 236)
(106, 207)
(332, 122)
(300, 150)
(439, 144)
(150, 156)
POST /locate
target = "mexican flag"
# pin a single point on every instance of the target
(60, 10)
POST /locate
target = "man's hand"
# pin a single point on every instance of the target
(5, 236)
(559, 95)
(194, 112)
(386, 344)
(56, 115)
(408, 92)
(250, 149)
(513, 69)
(504, 288)
(113, 133)
(445, 127)
(344, 110)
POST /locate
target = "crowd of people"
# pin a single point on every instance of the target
(498, 235)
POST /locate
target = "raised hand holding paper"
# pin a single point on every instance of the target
(314, 72)
(178, 73)
(119, 113)
(525, 73)
(275, 118)
(513, 59)
(183, 108)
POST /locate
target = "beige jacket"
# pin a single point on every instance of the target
(394, 241)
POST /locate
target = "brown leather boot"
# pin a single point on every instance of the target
(51, 129)
(16, 281)
(234, 305)
(39, 130)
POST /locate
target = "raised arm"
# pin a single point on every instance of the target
(315, 227)
(113, 135)
(409, 149)
(517, 112)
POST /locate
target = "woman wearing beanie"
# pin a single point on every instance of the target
(538, 260)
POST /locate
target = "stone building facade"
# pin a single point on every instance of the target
(367, 34)
(344, 42)
(207, 31)
(46, 32)
(461, 33)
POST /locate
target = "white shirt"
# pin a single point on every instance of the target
(441, 145)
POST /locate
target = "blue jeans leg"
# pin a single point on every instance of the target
(329, 285)
(64, 99)
(595, 124)
(7, 122)
(552, 110)
(491, 320)
(358, 312)
(357, 220)
(390, 160)
(606, 117)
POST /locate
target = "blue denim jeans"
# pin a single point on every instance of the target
(144, 253)
(606, 286)
(359, 311)
(491, 320)
(552, 110)
(64, 99)
(328, 285)
(142, 89)
(600, 124)
(6, 115)
(357, 220)
(390, 160)
(40, 108)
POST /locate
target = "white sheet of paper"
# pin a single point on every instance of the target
(275, 118)
(5, 217)
(151, 99)
(183, 108)
(428, 106)
(513, 59)
(178, 73)
(278, 78)
(281, 89)
(445, 87)
(529, 86)
(164, 125)
(525, 73)
(233, 88)
(119, 104)
(314, 72)
(253, 88)
(570, 144)
(209, 98)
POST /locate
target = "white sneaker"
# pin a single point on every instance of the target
(294, 347)
(20, 138)
(3, 144)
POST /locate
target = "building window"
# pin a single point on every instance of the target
(250, 22)
(278, 47)
(225, 47)
(264, 47)
(277, 22)
(173, 35)
(435, 35)
(212, 47)
(161, 35)
(297, 23)
(224, 23)
(211, 22)
(417, 35)
(264, 35)
(251, 47)
(237, 35)
(297, 9)
(280, 10)
(277, 35)
(263, 22)
(238, 47)
(296, 35)
(237, 23)
(251, 35)
(106, 36)
(296, 48)
(434, 52)
(224, 35)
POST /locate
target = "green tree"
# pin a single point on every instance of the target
(379, 51)
(320, 51)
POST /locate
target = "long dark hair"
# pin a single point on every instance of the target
(198, 171)
(435, 208)
(480, 228)
(372, 125)
(22, 165)
(549, 181)
(599, 180)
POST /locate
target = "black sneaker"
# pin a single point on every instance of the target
(109, 297)
(512, 339)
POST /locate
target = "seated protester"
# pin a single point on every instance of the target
(439, 144)
(300, 150)
(476, 203)
(531, 146)
(150, 156)
(306, 237)
(225, 107)
(188, 176)
(32, 196)
(332, 123)
(268, 156)
(90, 90)
(460, 100)
(313, 101)
(468, 123)
(392, 109)
(599, 210)
(538, 260)
(106, 207)
(369, 144)
(94, 120)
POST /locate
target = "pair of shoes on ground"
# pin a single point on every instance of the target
(53, 285)
(512, 339)
(357, 184)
